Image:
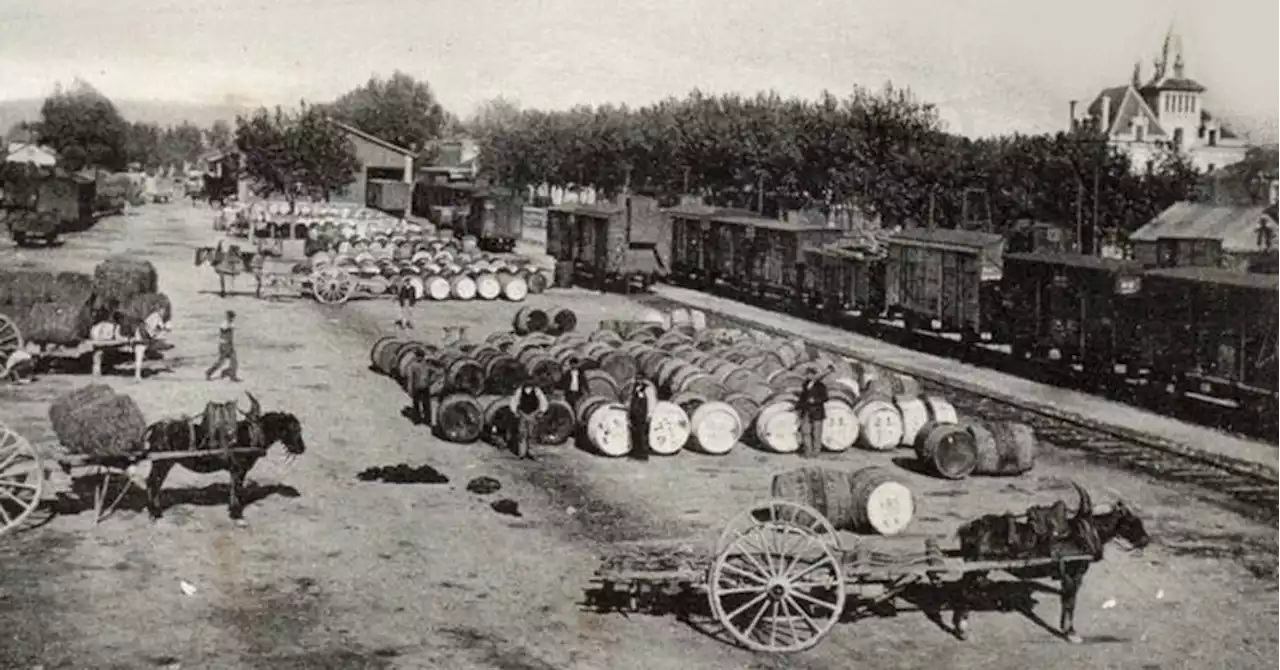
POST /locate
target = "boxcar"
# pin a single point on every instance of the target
(1213, 331)
(495, 218)
(388, 195)
(842, 282)
(445, 204)
(1074, 309)
(611, 244)
(695, 257)
(945, 280)
(760, 257)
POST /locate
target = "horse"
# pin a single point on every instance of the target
(257, 429)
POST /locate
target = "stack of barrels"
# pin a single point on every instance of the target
(437, 269)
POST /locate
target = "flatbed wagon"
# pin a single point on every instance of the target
(778, 578)
(24, 475)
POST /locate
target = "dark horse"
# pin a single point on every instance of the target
(256, 430)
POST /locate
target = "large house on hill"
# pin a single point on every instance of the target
(1144, 119)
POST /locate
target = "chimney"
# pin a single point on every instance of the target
(1071, 121)
(1105, 102)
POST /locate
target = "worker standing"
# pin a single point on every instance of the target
(226, 350)
(406, 298)
(574, 386)
(642, 400)
(811, 405)
(528, 404)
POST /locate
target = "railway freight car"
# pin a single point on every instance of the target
(1212, 332)
(844, 285)
(1065, 309)
(946, 281)
(612, 245)
(495, 218)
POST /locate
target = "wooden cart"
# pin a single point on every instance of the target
(103, 351)
(24, 473)
(778, 578)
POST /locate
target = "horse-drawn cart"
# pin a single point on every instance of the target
(25, 469)
(778, 579)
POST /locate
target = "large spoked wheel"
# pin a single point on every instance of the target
(21, 479)
(332, 286)
(10, 339)
(782, 511)
(777, 587)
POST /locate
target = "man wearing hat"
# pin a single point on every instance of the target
(226, 350)
(406, 297)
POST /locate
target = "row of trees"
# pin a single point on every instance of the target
(87, 130)
(884, 150)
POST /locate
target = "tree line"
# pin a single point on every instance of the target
(883, 151)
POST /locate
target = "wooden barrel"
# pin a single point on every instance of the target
(389, 356)
(839, 426)
(462, 287)
(605, 427)
(746, 407)
(542, 371)
(459, 418)
(916, 411)
(406, 356)
(946, 450)
(503, 374)
(529, 320)
(828, 491)
(620, 366)
(437, 288)
(879, 423)
(514, 288)
(668, 429)
(1003, 448)
(689, 402)
(499, 420)
(487, 287)
(777, 427)
(563, 320)
(556, 424)
(462, 374)
(537, 282)
(375, 355)
(599, 383)
(715, 428)
(882, 503)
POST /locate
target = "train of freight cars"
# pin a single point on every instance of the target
(1156, 328)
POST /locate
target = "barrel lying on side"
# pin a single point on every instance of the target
(872, 499)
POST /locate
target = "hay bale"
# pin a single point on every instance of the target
(111, 425)
(140, 306)
(62, 406)
(24, 287)
(54, 322)
(120, 278)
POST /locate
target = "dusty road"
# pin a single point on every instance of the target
(333, 572)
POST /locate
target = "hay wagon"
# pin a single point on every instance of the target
(24, 475)
(778, 579)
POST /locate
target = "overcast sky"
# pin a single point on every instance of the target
(991, 65)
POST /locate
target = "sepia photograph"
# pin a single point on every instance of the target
(702, 335)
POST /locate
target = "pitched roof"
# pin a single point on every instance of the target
(1176, 84)
(372, 139)
(1125, 104)
(1236, 227)
(971, 239)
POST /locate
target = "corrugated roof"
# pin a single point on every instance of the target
(1111, 265)
(1236, 227)
(1212, 275)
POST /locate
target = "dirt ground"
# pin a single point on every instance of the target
(334, 572)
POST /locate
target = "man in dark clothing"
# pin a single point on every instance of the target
(639, 410)
(575, 387)
(406, 297)
(528, 404)
(226, 350)
(811, 406)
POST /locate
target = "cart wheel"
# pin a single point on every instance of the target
(332, 286)
(21, 479)
(783, 511)
(777, 587)
(10, 338)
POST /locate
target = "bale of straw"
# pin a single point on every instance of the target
(65, 324)
(117, 279)
(62, 406)
(22, 288)
(141, 306)
(108, 426)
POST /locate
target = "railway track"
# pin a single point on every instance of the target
(1245, 487)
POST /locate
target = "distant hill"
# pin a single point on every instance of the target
(164, 113)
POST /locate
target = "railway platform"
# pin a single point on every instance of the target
(1178, 436)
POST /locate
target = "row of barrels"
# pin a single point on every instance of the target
(404, 249)
(748, 384)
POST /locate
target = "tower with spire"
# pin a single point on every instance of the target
(1146, 118)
